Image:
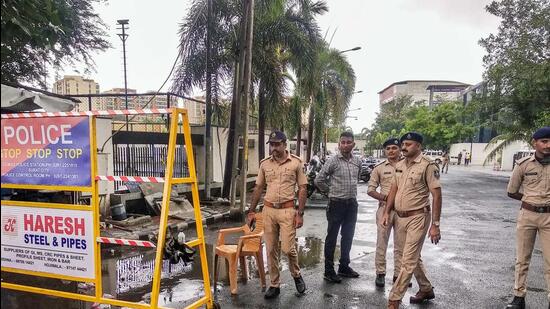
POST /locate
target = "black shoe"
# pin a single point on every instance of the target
(517, 303)
(332, 277)
(410, 283)
(347, 272)
(380, 280)
(272, 292)
(300, 284)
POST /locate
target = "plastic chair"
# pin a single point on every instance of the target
(250, 244)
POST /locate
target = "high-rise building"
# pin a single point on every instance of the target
(431, 92)
(74, 84)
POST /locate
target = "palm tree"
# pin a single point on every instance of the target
(285, 36)
(330, 86)
(285, 33)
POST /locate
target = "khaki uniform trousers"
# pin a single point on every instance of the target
(279, 224)
(528, 224)
(382, 238)
(413, 231)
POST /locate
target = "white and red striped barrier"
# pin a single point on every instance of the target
(90, 113)
(130, 178)
(126, 242)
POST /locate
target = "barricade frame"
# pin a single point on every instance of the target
(199, 242)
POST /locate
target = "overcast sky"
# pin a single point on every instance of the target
(400, 40)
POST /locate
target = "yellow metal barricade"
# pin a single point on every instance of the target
(11, 223)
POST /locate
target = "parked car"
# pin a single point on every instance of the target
(434, 155)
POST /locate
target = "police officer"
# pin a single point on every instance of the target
(445, 161)
(282, 172)
(382, 176)
(533, 174)
(415, 178)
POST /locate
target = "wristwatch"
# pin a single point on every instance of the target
(300, 213)
(436, 223)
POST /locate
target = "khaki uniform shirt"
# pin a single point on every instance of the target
(381, 176)
(414, 183)
(535, 180)
(281, 178)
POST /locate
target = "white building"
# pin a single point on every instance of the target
(431, 92)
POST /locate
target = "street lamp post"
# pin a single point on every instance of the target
(351, 49)
(123, 36)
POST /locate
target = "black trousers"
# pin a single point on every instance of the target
(341, 217)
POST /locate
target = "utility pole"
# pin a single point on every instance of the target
(245, 94)
(208, 125)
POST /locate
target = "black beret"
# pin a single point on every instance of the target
(542, 133)
(413, 136)
(276, 136)
(391, 141)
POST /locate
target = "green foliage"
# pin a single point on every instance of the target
(331, 83)
(441, 125)
(37, 34)
(285, 34)
(517, 67)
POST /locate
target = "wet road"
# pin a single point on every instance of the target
(472, 267)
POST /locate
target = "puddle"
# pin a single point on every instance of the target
(127, 275)
(310, 251)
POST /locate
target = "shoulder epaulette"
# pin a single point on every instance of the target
(523, 160)
(427, 159)
(296, 157)
(381, 163)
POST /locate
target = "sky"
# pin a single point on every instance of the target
(399, 40)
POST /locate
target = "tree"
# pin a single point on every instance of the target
(37, 34)
(392, 114)
(330, 85)
(441, 125)
(285, 33)
(517, 70)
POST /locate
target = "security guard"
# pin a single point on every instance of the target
(533, 174)
(415, 178)
(382, 176)
(281, 172)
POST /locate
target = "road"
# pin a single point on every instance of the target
(472, 267)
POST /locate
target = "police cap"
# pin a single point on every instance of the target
(276, 136)
(391, 141)
(412, 136)
(542, 133)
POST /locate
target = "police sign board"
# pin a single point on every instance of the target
(46, 151)
(55, 241)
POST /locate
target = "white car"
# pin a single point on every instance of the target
(434, 155)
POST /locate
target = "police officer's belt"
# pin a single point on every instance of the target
(409, 213)
(539, 209)
(287, 204)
